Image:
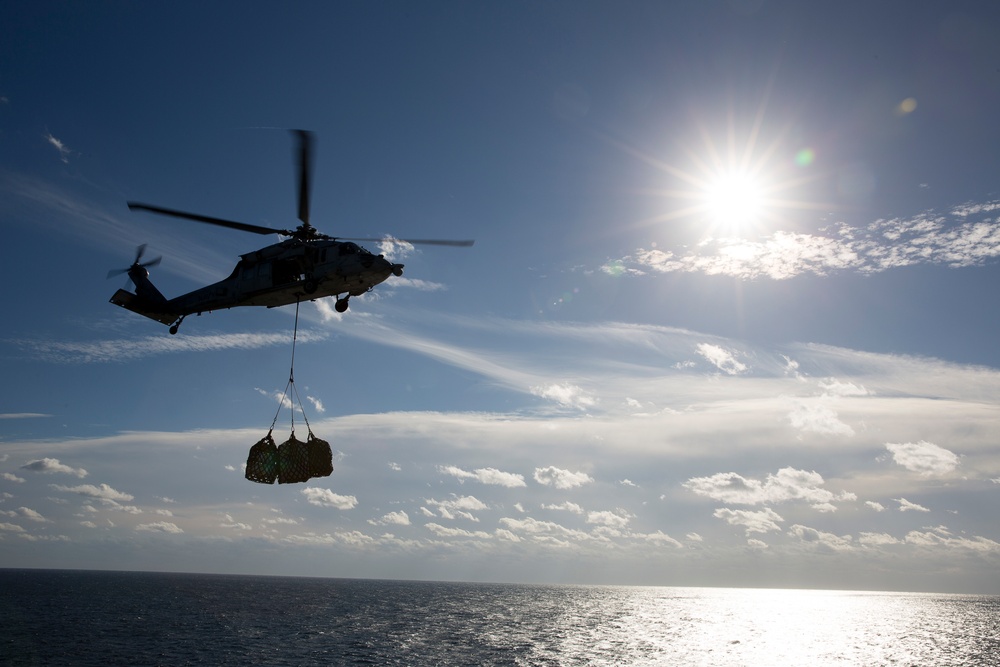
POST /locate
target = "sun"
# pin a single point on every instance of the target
(734, 200)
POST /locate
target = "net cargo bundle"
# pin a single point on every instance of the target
(262, 464)
(293, 461)
(320, 456)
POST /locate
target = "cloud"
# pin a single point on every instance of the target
(443, 531)
(878, 507)
(824, 541)
(52, 466)
(23, 415)
(108, 351)
(812, 416)
(102, 492)
(392, 518)
(876, 539)
(458, 506)
(64, 151)
(10, 477)
(561, 479)
(316, 403)
(722, 359)
(923, 458)
(762, 521)
(327, 498)
(565, 394)
(160, 527)
(787, 484)
(906, 506)
(565, 507)
(941, 538)
(490, 476)
(31, 515)
(535, 528)
(618, 519)
(951, 239)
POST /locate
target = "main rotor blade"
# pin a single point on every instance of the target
(242, 226)
(447, 242)
(305, 172)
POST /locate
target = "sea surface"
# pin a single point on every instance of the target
(54, 617)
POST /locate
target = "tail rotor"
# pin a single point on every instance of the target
(136, 264)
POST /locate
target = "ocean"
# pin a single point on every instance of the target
(54, 617)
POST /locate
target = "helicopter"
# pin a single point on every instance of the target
(307, 264)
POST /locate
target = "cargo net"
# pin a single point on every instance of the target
(292, 461)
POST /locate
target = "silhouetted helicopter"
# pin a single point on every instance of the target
(306, 265)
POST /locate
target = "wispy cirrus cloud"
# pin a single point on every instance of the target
(107, 351)
(64, 151)
(966, 235)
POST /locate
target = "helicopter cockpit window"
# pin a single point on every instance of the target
(348, 248)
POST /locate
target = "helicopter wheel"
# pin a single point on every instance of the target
(173, 329)
(310, 287)
(341, 305)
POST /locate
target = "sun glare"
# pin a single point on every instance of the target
(734, 200)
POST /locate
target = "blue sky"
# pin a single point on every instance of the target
(730, 318)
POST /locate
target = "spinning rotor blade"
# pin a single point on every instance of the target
(305, 172)
(447, 242)
(242, 226)
(139, 252)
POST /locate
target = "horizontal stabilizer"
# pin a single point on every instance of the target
(132, 302)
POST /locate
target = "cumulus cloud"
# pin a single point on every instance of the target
(160, 527)
(787, 484)
(102, 492)
(906, 506)
(762, 521)
(443, 531)
(486, 476)
(400, 518)
(31, 515)
(619, 519)
(327, 498)
(10, 477)
(561, 479)
(52, 466)
(458, 507)
(722, 359)
(923, 458)
(878, 507)
(876, 539)
(942, 538)
(813, 416)
(565, 507)
(567, 395)
(822, 540)
(536, 528)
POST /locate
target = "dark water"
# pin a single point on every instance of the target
(115, 618)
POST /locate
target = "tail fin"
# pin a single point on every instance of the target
(139, 305)
(147, 300)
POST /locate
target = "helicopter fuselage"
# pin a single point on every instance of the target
(277, 275)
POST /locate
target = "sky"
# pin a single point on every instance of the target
(730, 318)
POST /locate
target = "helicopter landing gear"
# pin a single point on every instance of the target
(310, 286)
(176, 325)
(341, 305)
